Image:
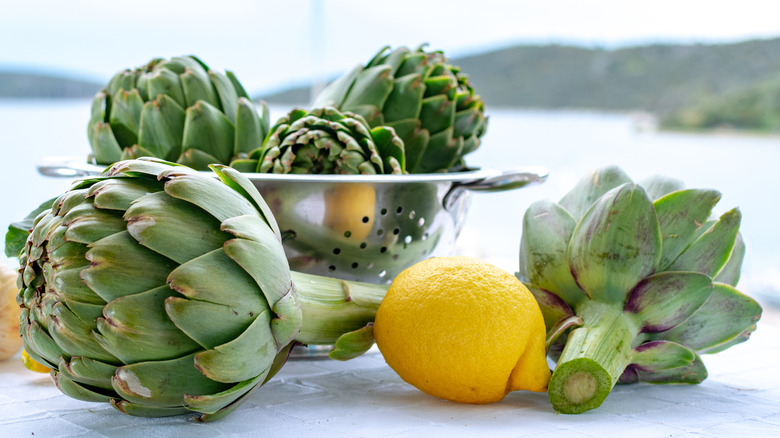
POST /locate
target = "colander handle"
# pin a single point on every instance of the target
(506, 180)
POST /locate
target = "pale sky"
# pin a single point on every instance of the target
(270, 44)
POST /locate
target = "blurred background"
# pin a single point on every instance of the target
(688, 89)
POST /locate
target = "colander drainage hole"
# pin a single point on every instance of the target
(337, 251)
(396, 231)
(354, 265)
(379, 232)
(408, 239)
(347, 234)
(399, 210)
(383, 249)
(363, 245)
(383, 211)
(331, 268)
(412, 214)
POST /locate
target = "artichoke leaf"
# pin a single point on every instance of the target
(372, 85)
(726, 318)
(228, 97)
(693, 373)
(731, 272)
(224, 322)
(197, 87)
(442, 152)
(547, 229)
(658, 186)
(352, 344)
(616, 244)
(38, 343)
(245, 357)
(105, 148)
(216, 278)
(206, 194)
(134, 336)
(681, 214)
(163, 383)
(710, 252)
(88, 371)
(261, 261)
(140, 410)
(119, 194)
(236, 181)
(334, 94)
(125, 117)
(390, 147)
(438, 114)
(174, 228)
(92, 225)
(287, 322)
(661, 355)
(114, 265)
(592, 187)
(405, 100)
(666, 299)
(236, 84)
(75, 336)
(250, 129)
(208, 130)
(210, 404)
(76, 390)
(161, 126)
(163, 81)
(552, 306)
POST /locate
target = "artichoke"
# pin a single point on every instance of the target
(177, 110)
(428, 102)
(326, 141)
(163, 291)
(635, 281)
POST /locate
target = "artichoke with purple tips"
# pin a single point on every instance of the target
(635, 281)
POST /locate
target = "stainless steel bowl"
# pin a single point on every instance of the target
(363, 227)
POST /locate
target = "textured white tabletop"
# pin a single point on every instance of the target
(365, 398)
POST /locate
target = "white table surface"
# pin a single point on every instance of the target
(365, 398)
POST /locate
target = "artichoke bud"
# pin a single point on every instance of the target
(430, 103)
(327, 141)
(141, 112)
(634, 282)
(164, 291)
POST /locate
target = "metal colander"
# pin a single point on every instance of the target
(364, 227)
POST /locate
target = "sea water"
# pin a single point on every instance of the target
(744, 168)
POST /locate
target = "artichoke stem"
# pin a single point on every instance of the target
(594, 358)
(332, 307)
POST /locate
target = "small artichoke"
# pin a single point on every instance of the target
(635, 281)
(326, 141)
(165, 291)
(177, 110)
(428, 102)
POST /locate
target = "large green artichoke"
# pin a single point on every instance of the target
(326, 141)
(634, 281)
(428, 102)
(177, 110)
(165, 291)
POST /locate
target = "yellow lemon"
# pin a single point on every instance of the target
(349, 209)
(32, 365)
(10, 341)
(463, 330)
